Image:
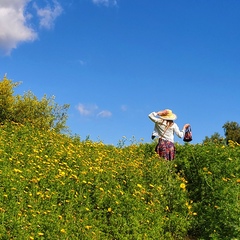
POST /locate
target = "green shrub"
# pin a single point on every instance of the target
(212, 172)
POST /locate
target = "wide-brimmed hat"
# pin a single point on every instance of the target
(170, 115)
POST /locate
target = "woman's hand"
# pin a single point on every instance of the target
(186, 126)
(163, 113)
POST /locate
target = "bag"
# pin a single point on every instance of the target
(188, 135)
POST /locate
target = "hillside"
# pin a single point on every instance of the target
(55, 186)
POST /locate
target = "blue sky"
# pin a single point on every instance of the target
(115, 61)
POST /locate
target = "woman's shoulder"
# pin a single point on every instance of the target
(174, 125)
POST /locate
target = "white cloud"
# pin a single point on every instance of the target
(104, 114)
(87, 110)
(91, 110)
(15, 22)
(105, 2)
(13, 25)
(48, 14)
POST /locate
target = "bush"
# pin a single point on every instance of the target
(212, 172)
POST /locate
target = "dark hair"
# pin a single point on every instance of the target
(169, 123)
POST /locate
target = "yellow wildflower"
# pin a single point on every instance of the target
(183, 185)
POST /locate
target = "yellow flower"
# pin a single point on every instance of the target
(2, 210)
(183, 185)
(63, 230)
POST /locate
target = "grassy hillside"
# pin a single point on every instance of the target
(59, 187)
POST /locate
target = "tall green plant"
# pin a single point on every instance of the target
(7, 99)
(212, 172)
(232, 131)
(28, 109)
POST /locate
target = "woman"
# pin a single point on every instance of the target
(165, 128)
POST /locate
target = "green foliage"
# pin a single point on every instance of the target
(232, 131)
(212, 172)
(27, 109)
(57, 187)
(215, 138)
(6, 98)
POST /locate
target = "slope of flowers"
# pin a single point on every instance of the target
(58, 187)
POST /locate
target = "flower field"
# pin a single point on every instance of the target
(58, 187)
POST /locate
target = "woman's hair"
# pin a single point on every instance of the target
(169, 123)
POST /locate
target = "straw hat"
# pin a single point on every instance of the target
(169, 116)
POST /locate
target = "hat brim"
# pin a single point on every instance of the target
(172, 117)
